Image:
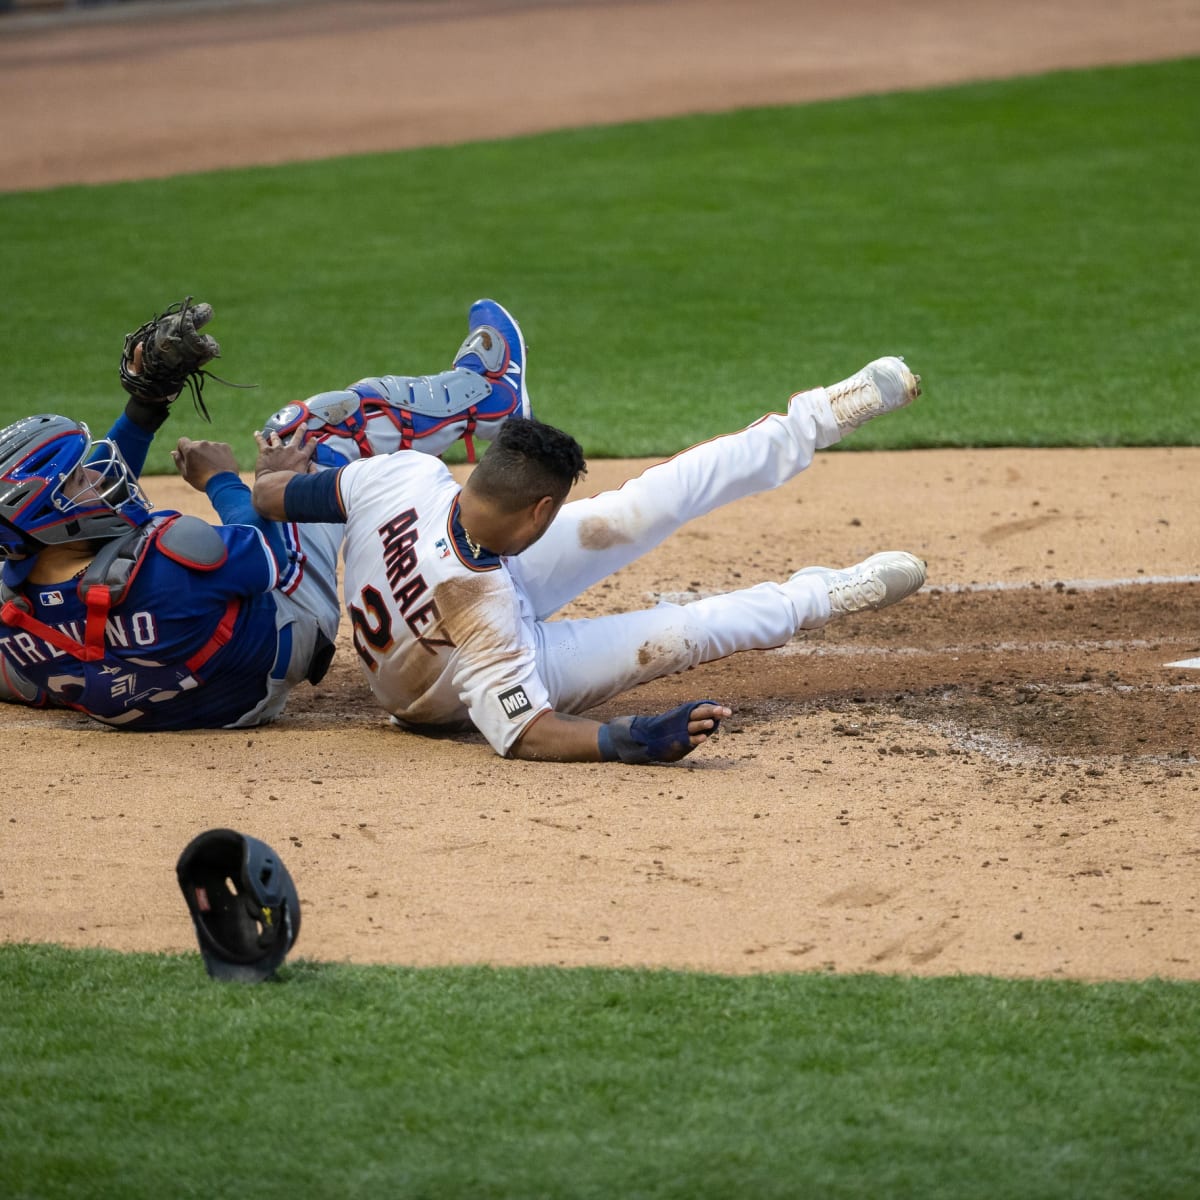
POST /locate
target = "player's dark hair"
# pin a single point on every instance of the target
(528, 460)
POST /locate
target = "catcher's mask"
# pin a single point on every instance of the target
(57, 485)
(243, 903)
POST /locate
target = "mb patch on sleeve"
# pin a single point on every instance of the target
(514, 702)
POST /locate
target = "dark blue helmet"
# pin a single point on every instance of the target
(57, 485)
(243, 903)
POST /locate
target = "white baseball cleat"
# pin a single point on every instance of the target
(883, 579)
(880, 387)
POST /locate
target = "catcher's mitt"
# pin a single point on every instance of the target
(173, 353)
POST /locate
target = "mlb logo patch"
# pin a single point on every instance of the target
(50, 599)
(441, 545)
(514, 702)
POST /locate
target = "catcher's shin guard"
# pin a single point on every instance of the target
(378, 415)
(325, 415)
(398, 412)
(484, 389)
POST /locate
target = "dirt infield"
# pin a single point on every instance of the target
(998, 776)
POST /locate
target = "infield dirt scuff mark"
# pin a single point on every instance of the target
(998, 533)
(860, 896)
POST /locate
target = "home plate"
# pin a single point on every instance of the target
(1185, 662)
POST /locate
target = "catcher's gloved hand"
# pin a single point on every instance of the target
(173, 353)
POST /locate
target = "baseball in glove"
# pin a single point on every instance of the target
(172, 355)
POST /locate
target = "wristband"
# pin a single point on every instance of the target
(147, 414)
(608, 749)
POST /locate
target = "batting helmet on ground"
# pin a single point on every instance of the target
(243, 903)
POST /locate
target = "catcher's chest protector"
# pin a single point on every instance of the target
(189, 541)
(104, 584)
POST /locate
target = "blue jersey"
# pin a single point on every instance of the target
(187, 647)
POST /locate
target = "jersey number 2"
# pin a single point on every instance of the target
(372, 627)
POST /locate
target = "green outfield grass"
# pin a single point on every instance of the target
(1031, 246)
(134, 1076)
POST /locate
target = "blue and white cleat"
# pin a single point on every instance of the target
(495, 349)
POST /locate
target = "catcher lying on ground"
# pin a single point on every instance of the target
(175, 623)
(152, 620)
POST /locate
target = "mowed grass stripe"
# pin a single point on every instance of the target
(135, 1075)
(1029, 245)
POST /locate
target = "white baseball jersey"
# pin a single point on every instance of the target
(445, 636)
(441, 632)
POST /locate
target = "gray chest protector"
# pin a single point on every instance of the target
(104, 583)
(188, 541)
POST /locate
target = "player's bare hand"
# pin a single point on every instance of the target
(277, 455)
(198, 462)
(702, 723)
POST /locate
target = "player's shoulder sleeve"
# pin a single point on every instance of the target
(315, 497)
(386, 482)
(497, 674)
